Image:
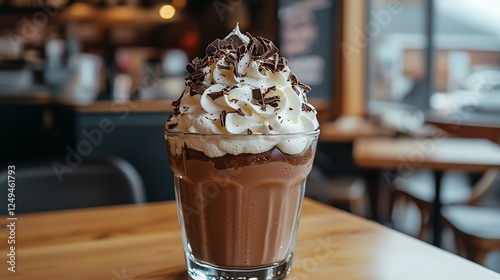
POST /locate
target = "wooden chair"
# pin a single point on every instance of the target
(422, 195)
(476, 230)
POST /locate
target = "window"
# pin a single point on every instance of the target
(461, 73)
(467, 56)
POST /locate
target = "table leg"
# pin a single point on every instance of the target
(372, 178)
(436, 211)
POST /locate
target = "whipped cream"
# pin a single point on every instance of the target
(242, 86)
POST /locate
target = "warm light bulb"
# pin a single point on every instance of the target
(167, 11)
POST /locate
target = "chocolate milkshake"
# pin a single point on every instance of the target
(241, 143)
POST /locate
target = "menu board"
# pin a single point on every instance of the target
(306, 40)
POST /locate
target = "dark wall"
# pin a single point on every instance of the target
(135, 137)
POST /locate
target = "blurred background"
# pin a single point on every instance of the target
(90, 80)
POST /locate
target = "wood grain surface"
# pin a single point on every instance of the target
(144, 242)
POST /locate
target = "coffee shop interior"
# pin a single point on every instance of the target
(407, 94)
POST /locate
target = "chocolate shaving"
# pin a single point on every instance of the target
(190, 67)
(172, 126)
(195, 88)
(272, 101)
(239, 112)
(269, 66)
(249, 132)
(240, 52)
(261, 48)
(231, 51)
(193, 66)
(215, 95)
(269, 89)
(282, 62)
(305, 87)
(293, 79)
(257, 96)
(223, 67)
(235, 40)
(306, 108)
(177, 102)
(270, 127)
(198, 77)
(223, 118)
(211, 49)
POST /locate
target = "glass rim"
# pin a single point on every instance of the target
(169, 132)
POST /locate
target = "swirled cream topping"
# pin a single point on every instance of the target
(242, 86)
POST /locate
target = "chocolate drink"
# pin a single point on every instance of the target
(241, 211)
(241, 141)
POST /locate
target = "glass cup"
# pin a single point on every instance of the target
(239, 214)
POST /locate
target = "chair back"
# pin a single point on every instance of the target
(486, 183)
(95, 182)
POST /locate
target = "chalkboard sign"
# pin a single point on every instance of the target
(306, 40)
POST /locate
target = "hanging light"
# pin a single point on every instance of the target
(167, 11)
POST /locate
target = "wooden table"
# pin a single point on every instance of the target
(144, 242)
(438, 154)
(347, 129)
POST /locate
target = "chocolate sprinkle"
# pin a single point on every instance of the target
(231, 50)
(215, 95)
(306, 108)
(269, 89)
(223, 67)
(257, 96)
(249, 132)
(273, 101)
(223, 118)
(239, 112)
(172, 125)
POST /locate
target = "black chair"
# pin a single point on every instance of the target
(93, 183)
